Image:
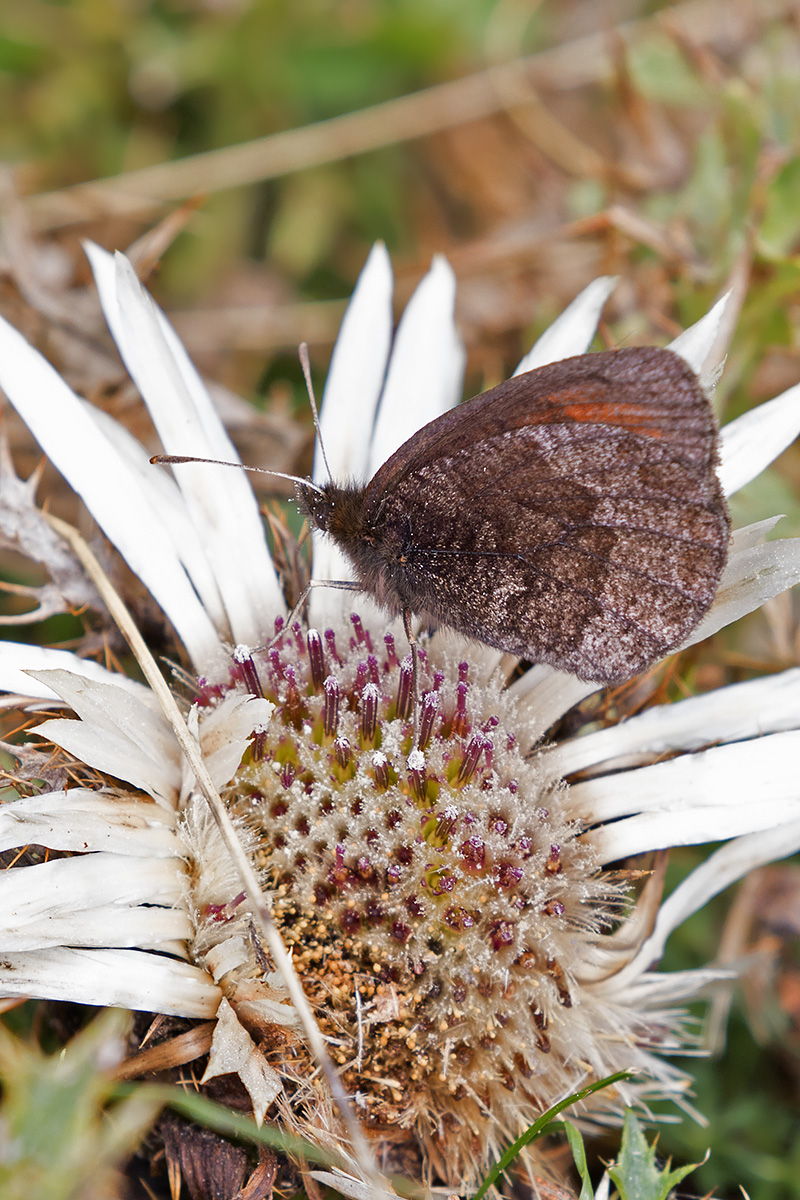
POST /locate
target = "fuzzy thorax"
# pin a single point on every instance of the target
(374, 549)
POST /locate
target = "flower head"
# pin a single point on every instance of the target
(443, 880)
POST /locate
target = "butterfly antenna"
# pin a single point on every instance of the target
(302, 351)
(173, 459)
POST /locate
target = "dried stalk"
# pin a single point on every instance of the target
(576, 63)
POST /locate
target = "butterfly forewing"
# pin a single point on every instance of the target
(572, 515)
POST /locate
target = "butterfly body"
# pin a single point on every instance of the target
(571, 515)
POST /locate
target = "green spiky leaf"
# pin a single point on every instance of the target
(544, 1124)
(636, 1173)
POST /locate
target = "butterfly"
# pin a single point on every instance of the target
(571, 515)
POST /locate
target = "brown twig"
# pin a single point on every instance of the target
(177, 1052)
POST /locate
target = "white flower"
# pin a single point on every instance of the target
(149, 913)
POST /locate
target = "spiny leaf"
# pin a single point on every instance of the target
(636, 1173)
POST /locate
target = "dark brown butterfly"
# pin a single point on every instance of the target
(571, 516)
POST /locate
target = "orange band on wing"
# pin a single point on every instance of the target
(624, 415)
(577, 405)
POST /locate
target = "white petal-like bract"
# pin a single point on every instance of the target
(733, 713)
(219, 500)
(349, 404)
(752, 441)
(426, 367)
(696, 343)
(571, 333)
(116, 978)
(112, 492)
(20, 663)
(83, 820)
(117, 734)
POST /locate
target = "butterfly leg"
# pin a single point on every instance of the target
(344, 585)
(414, 648)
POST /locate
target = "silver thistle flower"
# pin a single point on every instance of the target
(466, 950)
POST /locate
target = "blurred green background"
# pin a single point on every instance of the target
(546, 143)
